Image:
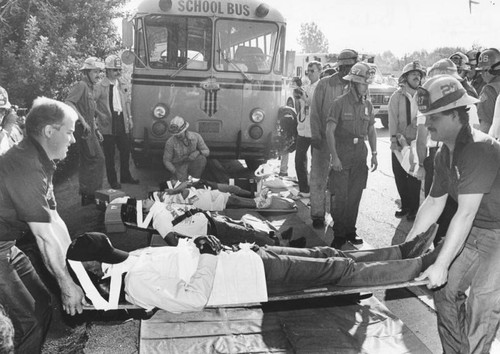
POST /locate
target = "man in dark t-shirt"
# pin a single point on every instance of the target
(27, 203)
(467, 168)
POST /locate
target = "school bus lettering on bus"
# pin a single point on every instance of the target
(216, 7)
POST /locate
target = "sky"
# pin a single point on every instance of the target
(401, 26)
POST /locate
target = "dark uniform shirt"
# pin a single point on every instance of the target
(352, 116)
(26, 190)
(475, 169)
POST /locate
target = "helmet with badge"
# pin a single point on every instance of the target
(441, 93)
(362, 73)
(472, 55)
(489, 59)
(113, 62)
(413, 66)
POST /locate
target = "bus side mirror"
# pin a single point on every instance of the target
(127, 33)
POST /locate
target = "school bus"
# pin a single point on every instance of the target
(217, 64)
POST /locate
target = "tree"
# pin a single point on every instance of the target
(312, 39)
(43, 43)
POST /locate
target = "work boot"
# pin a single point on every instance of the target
(421, 243)
(354, 239)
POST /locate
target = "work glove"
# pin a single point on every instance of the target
(208, 244)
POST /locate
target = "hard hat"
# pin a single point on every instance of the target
(461, 61)
(488, 59)
(347, 57)
(444, 67)
(92, 63)
(413, 66)
(362, 73)
(177, 125)
(472, 55)
(4, 98)
(441, 93)
(113, 62)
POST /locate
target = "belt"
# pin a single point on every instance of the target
(360, 139)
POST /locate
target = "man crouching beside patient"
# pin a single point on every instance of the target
(202, 272)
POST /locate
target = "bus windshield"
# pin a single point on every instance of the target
(174, 42)
(246, 46)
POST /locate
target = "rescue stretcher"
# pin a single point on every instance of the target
(323, 291)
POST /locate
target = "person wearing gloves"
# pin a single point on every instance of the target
(88, 137)
(115, 121)
(185, 152)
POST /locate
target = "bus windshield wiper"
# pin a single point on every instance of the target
(229, 61)
(189, 61)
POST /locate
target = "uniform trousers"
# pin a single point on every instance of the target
(303, 144)
(320, 165)
(25, 299)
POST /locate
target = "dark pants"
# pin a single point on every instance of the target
(91, 168)
(468, 324)
(302, 146)
(25, 299)
(231, 232)
(348, 185)
(292, 269)
(122, 142)
(407, 185)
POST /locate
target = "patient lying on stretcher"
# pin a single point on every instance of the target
(212, 196)
(173, 220)
(202, 272)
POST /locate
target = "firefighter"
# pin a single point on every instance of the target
(349, 123)
(489, 65)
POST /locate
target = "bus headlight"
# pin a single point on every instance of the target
(257, 115)
(160, 111)
(255, 132)
(159, 128)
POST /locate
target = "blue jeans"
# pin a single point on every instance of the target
(320, 165)
(303, 144)
(469, 325)
(293, 269)
(26, 300)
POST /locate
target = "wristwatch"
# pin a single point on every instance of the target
(374, 153)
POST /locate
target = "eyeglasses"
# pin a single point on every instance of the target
(311, 71)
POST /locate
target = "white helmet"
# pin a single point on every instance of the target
(444, 67)
(113, 62)
(177, 126)
(441, 93)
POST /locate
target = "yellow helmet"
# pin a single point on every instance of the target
(441, 93)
